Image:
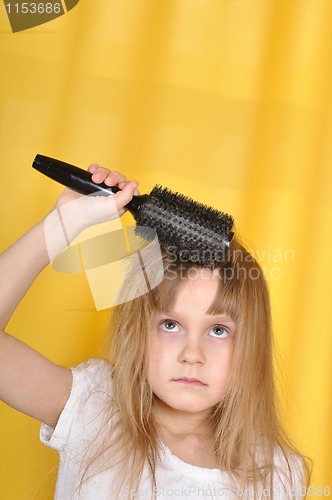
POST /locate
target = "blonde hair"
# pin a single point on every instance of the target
(246, 424)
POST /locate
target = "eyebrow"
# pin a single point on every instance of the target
(223, 317)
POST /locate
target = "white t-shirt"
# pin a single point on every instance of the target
(78, 426)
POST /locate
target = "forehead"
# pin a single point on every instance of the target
(197, 292)
(197, 277)
(205, 285)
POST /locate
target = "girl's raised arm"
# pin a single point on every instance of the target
(30, 382)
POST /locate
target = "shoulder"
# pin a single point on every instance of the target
(93, 373)
(92, 385)
(287, 466)
(283, 459)
(91, 389)
(287, 459)
(288, 473)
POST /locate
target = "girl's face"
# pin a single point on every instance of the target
(191, 351)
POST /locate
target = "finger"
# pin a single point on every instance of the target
(121, 185)
(109, 177)
(126, 194)
(114, 178)
(93, 167)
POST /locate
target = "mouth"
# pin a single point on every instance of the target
(190, 381)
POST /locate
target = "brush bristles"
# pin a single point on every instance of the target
(192, 231)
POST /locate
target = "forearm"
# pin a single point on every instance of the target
(21, 263)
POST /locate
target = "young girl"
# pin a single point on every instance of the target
(183, 405)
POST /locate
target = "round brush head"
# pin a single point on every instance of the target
(191, 231)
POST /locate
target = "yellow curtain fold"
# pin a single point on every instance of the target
(227, 101)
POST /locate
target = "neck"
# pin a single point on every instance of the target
(177, 425)
(187, 435)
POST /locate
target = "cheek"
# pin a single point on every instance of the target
(155, 360)
(162, 349)
(161, 357)
(221, 364)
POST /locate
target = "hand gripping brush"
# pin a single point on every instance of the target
(192, 231)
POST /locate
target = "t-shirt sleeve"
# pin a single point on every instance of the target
(91, 389)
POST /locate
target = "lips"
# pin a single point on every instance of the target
(190, 381)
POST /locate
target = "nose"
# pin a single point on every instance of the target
(192, 351)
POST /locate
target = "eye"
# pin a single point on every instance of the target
(219, 332)
(169, 326)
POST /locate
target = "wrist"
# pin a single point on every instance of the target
(67, 221)
(55, 234)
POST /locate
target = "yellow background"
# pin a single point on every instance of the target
(227, 101)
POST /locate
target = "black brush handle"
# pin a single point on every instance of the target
(80, 180)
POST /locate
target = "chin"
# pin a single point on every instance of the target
(187, 406)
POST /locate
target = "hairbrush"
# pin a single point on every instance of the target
(191, 231)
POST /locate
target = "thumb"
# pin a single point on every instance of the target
(124, 196)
